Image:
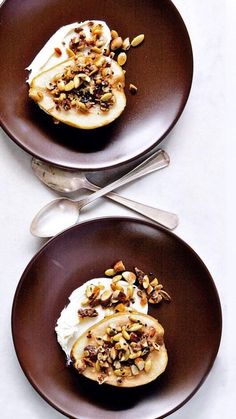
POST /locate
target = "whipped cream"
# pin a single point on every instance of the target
(70, 326)
(46, 57)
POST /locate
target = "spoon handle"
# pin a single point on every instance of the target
(164, 218)
(152, 163)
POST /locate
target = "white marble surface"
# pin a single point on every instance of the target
(196, 186)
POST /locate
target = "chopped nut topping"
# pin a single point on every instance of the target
(116, 352)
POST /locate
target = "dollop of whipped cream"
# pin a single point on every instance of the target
(47, 58)
(70, 326)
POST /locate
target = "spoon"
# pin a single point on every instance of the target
(63, 212)
(63, 180)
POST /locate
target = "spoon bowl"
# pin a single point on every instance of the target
(56, 216)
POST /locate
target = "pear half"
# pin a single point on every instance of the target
(150, 365)
(90, 118)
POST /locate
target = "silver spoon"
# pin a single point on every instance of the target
(63, 212)
(63, 180)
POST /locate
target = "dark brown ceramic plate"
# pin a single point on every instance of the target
(161, 69)
(192, 321)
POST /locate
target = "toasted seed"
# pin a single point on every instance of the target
(154, 282)
(125, 334)
(129, 277)
(115, 296)
(133, 89)
(97, 366)
(118, 372)
(149, 289)
(116, 43)
(137, 40)
(119, 266)
(106, 97)
(106, 296)
(113, 353)
(122, 58)
(69, 86)
(73, 102)
(122, 342)
(114, 34)
(116, 278)
(116, 286)
(76, 81)
(139, 362)
(133, 318)
(97, 29)
(100, 43)
(99, 61)
(125, 356)
(123, 372)
(84, 77)
(70, 53)
(117, 365)
(89, 290)
(112, 54)
(145, 281)
(134, 355)
(61, 85)
(126, 44)
(96, 49)
(106, 338)
(109, 272)
(57, 76)
(85, 302)
(130, 291)
(134, 370)
(109, 331)
(135, 326)
(120, 308)
(148, 365)
(117, 337)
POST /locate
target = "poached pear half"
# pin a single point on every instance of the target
(125, 350)
(85, 92)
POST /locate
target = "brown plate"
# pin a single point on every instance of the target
(192, 321)
(161, 69)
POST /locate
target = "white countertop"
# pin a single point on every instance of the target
(194, 186)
